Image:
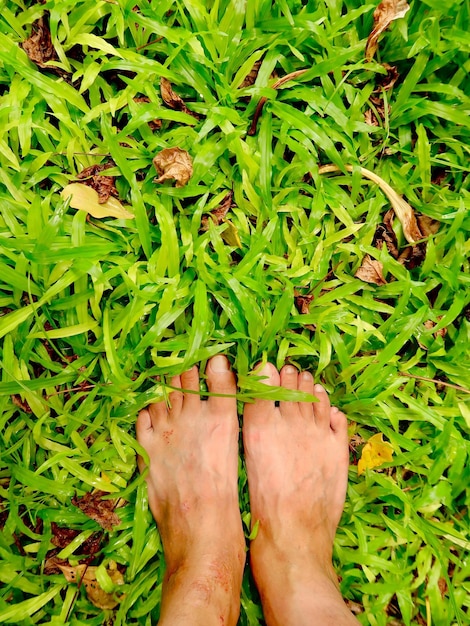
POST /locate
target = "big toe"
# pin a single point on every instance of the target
(221, 380)
(260, 407)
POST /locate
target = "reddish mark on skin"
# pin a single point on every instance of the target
(167, 435)
(221, 620)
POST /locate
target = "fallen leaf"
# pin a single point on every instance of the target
(413, 256)
(371, 271)
(86, 199)
(218, 214)
(427, 225)
(103, 185)
(303, 303)
(259, 108)
(386, 81)
(250, 78)
(86, 575)
(173, 164)
(20, 403)
(39, 46)
(95, 507)
(61, 537)
(384, 14)
(230, 235)
(375, 453)
(153, 124)
(402, 209)
(172, 99)
(429, 324)
(384, 234)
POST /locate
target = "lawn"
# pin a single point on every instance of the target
(264, 239)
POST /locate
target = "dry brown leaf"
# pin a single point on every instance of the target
(103, 185)
(173, 164)
(172, 99)
(155, 124)
(95, 507)
(86, 575)
(303, 303)
(402, 209)
(86, 199)
(384, 14)
(259, 108)
(371, 271)
(427, 225)
(250, 78)
(39, 46)
(218, 214)
(384, 234)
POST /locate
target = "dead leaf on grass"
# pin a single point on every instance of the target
(375, 453)
(259, 108)
(95, 507)
(39, 46)
(173, 164)
(102, 184)
(250, 78)
(155, 124)
(385, 234)
(86, 199)
(402, 209)
(302, 302)
(371, 271)
(427, 225)
(172, 99)
(386, 12)
(86, 575)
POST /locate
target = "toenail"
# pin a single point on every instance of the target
(290, 369)
(318, 389)
(334, 409)
(219, 363)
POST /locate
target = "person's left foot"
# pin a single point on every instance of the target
(192, 488)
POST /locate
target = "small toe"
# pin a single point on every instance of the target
(175, 398)
(190, 383)
(338, 422)
(322, 408)
(144, 427)
(289, 380)
(306, 384)
(221, 380)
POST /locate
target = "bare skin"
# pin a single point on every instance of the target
(192, 488)
(297, 463)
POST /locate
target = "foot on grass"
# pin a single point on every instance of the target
(192, 488)
(297, 464)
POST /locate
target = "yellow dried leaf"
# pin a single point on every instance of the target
(173, 163)
(86, 199)
(371, 271)
(230, 235)
(375, 453)
(384, 14)
(86, 576)
(402, 209)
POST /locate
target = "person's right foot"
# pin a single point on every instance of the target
(297, 464)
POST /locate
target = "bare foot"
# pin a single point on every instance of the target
(192, 488)
(297, 464)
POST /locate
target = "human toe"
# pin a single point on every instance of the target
(322, 408)
(221, 380)
(305, 384)
(190, 388)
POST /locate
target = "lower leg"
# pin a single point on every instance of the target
(192, 488)
(297, 462)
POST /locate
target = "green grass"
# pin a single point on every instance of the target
(93, 311)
